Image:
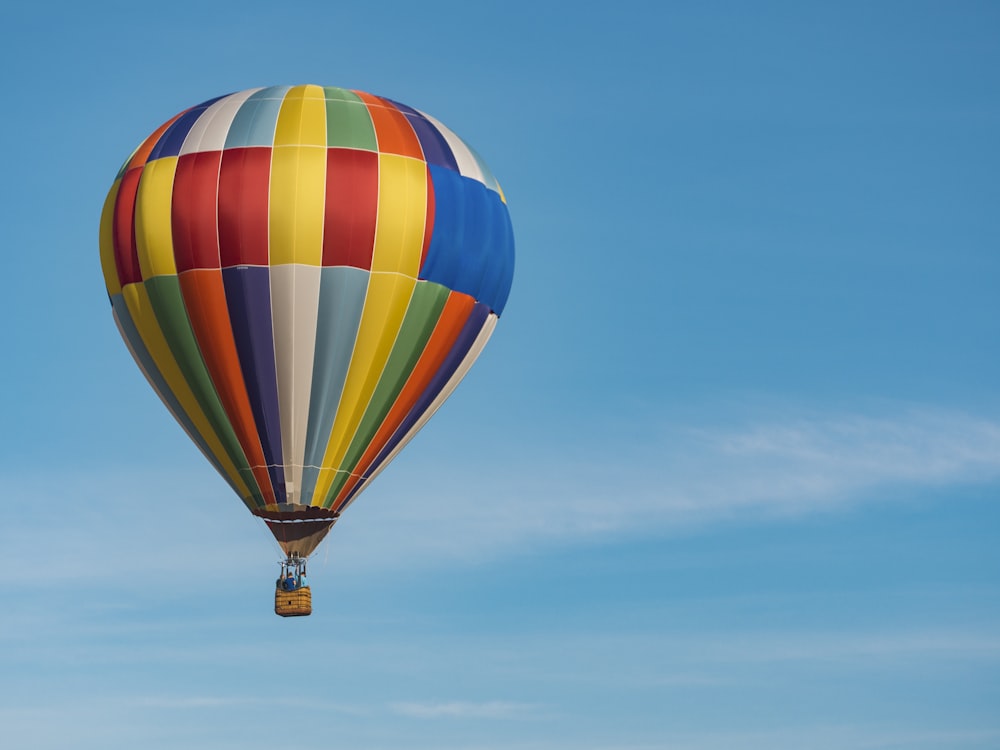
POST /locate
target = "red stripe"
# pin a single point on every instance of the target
(244, 185)
(205, 302)
(123, 229)
(194, 219)
(351, 208)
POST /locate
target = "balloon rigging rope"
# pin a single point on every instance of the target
(267, 531)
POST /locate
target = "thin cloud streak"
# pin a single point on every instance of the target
(466, 710)
(680, 478)
(184, 703)
(817, 737)
(711, 661)
(839, 647)
(685, 478)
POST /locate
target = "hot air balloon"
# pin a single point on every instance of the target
(304, 274)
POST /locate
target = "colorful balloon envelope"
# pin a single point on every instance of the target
(304, 274)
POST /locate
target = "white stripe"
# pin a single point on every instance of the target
(210, 130)
(470, 359)
(468, 164)
(294, 307)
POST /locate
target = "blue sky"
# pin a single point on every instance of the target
(727, 475)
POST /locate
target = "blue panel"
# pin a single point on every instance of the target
(171, 141)
(497, 283)
(472, 245)
(257, 119)
(248, 298)
(342, 293)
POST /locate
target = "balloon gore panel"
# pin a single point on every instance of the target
(303, 274)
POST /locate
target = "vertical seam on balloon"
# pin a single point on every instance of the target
(271, 285)
(106, 240)
(324, 470)
(362, 411)
(416, 278)
(391, 105)
(254, 428)
(168, 349)
(409, 208)
(327, 407)
(319, 291)
(457, 376)
(217, 369)
(147, 366)
(396, 409)
(346, 425)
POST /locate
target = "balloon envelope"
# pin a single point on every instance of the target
(304, 274)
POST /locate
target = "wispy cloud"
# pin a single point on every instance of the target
(668, 477)
(466, 710)
(818, 737)
(745, 659)
(679, 476)
(198, 702)
(192, 702)
(889, 646)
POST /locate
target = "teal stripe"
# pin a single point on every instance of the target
(348, 122)
(168, 306)
(341, 300)
(421, 317)
(152, 372)
(255, 123)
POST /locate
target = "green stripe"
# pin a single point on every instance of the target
(421, 316)
(168, 306)
(348, 124)
(148, 365)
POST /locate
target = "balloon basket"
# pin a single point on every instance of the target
(296, 603)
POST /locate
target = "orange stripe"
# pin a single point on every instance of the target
(142, 153)
(205, 301)
(455, 312)
(393, 131)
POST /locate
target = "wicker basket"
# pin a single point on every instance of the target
(296, 603)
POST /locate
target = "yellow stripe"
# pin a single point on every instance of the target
(108, 265)
(402, 213)
(298, 186)
(141, 310)
(153, 236)
(298, 179)
(399, 236)
(302, 119)
(385, 307)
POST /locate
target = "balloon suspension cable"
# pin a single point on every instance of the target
(267, 530)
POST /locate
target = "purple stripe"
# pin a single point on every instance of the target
(473, 325)
(173, 138)
(435, 147)
(248, 297)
